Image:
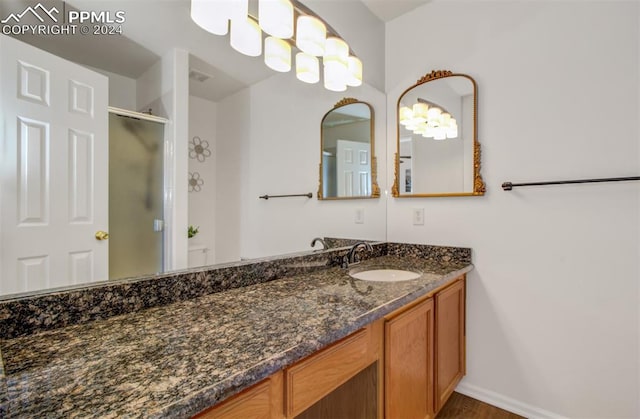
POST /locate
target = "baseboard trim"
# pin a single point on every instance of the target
(506, 403)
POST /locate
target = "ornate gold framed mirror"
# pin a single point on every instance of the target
(437, 152)
(348, 167)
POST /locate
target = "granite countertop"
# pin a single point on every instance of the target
(176, 360)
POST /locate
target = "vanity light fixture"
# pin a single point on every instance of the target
(311, 35)
(277, 54)
(276, 18)
(307, 68)
(429, 120)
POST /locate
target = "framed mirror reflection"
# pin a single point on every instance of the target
(437, 152)
(348, 168)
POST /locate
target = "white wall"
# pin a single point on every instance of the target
(165, 89)
(273, 147)
(122, 90)
(553, 322)
(232, 132)
(202, 123)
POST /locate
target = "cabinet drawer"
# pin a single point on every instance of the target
(318, 375)
(262, 401)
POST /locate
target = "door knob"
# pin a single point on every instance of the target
(102, 235)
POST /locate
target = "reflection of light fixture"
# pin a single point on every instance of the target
(246, 36)
(354, 75)
(311, 35)
(204, 13)
(307, 68)
(429, 120)
(277, 54)
(276, 18)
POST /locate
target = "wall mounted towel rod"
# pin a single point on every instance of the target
(507, 186)
(308, 195)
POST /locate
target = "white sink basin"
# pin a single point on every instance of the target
(384, 275)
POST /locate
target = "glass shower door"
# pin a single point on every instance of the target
(135, 196)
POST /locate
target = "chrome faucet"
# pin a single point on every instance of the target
(318, 239)
(352, 256)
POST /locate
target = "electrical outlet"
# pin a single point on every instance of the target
(418, 216)
(359, 216)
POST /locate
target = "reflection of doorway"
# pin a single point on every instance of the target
(353, 168)
(52, 185)
(136, 199)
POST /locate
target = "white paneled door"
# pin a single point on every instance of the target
(54, 170)
(354, 168)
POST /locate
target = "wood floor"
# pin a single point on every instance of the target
(462, 407)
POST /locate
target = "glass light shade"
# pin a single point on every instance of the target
(420, 111)
(276, 17)
(445, 120)
(406, 115)
(421, 129)
(307, 68)
(452, 130)
(429, 132)
(335, 76)
(246, 36)
(440, 134)
(207, 15)
(277, 54)
(355, 71)
(336, 49)
(434, 112)
(311, 35)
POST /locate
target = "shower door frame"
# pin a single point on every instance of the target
(169, 163)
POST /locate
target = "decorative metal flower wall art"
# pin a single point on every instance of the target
(199, 149)
(195, 182)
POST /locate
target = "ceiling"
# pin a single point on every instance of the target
(153, 27)
(387, 10)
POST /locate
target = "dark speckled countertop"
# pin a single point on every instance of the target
(178, 359)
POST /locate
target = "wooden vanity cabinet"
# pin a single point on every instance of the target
(425, 353)
(403, 366)
(450, 344)
(409, 360)
(315, 377)
(261, 401)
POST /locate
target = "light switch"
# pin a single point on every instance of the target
(418, 216)
(359, 215)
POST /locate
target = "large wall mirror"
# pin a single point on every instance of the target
(348, 166)
(438, 153)
(238, 129)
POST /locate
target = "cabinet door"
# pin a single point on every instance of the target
(450, 340)
(409, 363)
(262, 401)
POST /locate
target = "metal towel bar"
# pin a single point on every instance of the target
(308, 195)
(507, 186)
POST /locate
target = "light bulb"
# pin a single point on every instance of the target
(307, 68)
(311, 35)
(277, 54)
(246, 36)
(276, 17)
